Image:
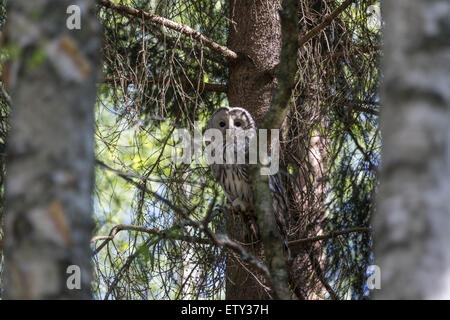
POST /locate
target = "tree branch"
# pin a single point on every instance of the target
(270, 234)
(162, 234)
(223, 241)
(334, 234)
(143, 187)
(319, 272)
(364, 109)
(325, 23)
(190, 84)
(186, 30)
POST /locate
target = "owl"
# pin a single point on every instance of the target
(235, 178)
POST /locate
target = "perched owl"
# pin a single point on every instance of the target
(235, 178)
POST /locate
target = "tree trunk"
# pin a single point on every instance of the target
(50, 163)
(413, 221)
(255, 34)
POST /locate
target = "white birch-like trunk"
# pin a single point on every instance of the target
(412, 222)
(50, 151)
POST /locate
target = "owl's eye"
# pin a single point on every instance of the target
(222, 124)
(237, 123)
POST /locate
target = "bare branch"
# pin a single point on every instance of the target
(325, 23)
(304, 241)
(162, 234)
(319, 272)
(143, 188)
(186, 30)
(223, 241)
(186, 83)
(364, 109)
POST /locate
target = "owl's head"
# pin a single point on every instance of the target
(232, 118)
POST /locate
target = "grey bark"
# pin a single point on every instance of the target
(255, 34)
(412, 222)
(273, 119)
(48, 223)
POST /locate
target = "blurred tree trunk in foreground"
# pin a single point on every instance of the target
(412, 225)
(48, 222)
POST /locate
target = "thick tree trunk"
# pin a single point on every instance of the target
(255, 34)
(48, 221)
(413, 220)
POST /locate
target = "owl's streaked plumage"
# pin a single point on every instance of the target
(235, 178)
